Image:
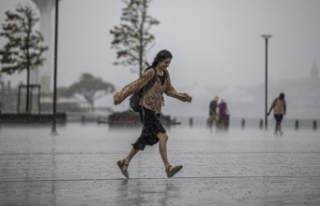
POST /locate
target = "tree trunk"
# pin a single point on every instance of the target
(28, 62)
(92, 105)
(28, 83)
(141, 37)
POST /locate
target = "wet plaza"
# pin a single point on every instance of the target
(78, 167)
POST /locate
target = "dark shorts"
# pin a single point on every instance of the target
(278, 118)
(151, 127)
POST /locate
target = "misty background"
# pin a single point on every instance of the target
(217, 50)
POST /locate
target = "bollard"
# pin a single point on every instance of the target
(261, 124)
(83, 120)
(243, 123)
(0, 117)
(190, 121)
(314, 125)
(296, 125)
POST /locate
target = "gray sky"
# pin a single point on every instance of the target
(214, 42)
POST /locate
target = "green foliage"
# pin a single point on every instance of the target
(22, 50)
(128, 112)
(132, 37)
(64, 92)
(25, 113)
(91, 88)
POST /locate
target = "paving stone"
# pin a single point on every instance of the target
(78, 167)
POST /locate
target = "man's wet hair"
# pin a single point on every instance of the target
(281, 96)
(161, 56)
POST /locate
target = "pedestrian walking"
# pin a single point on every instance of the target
(279, 108)
(151, 103)
(223, 122)
(213, 115)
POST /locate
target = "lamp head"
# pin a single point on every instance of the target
(266, 36)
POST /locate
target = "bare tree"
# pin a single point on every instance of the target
(132, 37)
(23, 50)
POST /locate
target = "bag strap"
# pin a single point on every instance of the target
(149, 85)
(153, 81)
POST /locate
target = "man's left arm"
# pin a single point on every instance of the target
(171, 92)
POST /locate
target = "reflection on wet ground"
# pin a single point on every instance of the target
(78, 167)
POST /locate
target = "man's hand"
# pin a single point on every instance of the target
(189, 99)
(116, 100)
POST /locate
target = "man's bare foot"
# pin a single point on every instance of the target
(123, 167)
(172, 170)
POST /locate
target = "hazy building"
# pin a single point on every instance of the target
(43, 75)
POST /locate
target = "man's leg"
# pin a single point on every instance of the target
(276, 127)
(280, 120)
(163, 138)
(170, 170)
(130, 155)
(210, 121)
(280, 129)
(123, 164)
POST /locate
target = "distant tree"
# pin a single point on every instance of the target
(132, 37)
(1, 90)
(23, 50)
(91, 88)
(64, 92)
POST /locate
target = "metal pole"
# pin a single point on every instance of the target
(54, 115)
(266, 89)
(39, 100)
(266, 37)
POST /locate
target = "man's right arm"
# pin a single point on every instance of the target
(272, 106)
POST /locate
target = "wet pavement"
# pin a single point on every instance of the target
(78, 167)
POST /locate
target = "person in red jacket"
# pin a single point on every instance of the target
(223, 114)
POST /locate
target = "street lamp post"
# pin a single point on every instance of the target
(266, 37)
(54, 112)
